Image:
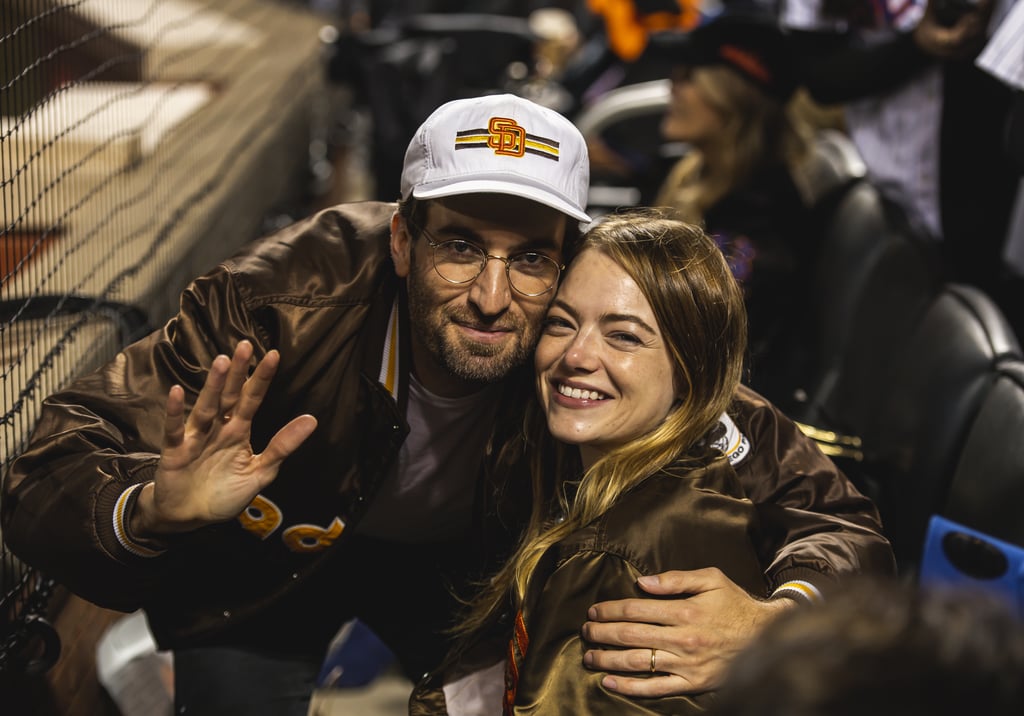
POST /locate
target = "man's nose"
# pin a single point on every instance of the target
(491, 292)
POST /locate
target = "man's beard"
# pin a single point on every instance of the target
(467, 360)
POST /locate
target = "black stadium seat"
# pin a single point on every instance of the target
(872, 282)
(987, 490)
(927, 392)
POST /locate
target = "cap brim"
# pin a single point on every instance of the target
(492, 186)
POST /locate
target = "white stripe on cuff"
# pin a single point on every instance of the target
(121, 529)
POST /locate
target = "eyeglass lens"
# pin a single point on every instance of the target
(529, 273)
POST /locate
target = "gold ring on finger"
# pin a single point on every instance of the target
(654, 660)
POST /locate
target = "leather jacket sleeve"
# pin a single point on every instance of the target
(836, 69)
(820, 525)
(304, 290)
(102, 435)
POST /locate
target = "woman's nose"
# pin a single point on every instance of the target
(581, 354)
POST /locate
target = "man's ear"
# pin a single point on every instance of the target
(400, 245)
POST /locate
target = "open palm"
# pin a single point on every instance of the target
(208, 472)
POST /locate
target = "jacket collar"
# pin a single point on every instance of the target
(390, 375)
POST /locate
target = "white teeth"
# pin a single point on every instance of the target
(579, 394)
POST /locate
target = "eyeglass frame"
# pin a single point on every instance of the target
(507, 260)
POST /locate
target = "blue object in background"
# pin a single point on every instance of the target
(356, 657)
(959, 556)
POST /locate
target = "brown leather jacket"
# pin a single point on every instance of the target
(323, 293)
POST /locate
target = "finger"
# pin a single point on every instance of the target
(287, 440)
(653, 686)
(650, 611)
(207, 407)
(173, 452)
(174, 417)
(256, 387)
(692, 581)
(237, 374)
(625, 634)
(636, 661)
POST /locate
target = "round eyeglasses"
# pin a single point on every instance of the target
(458, 261)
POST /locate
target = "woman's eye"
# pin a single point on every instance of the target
(556, 324)
(626, 338)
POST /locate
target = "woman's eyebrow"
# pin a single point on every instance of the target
(627, 318)
(559, 303)
(607, 317)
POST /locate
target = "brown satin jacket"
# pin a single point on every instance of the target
(679, 519)
(323, 292)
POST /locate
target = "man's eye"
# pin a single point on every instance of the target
(534, 264)
(460, 247)
(527, 259)
(458, 251)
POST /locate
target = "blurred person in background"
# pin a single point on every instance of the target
(928, 122)
(1003, 58)
(732, 82)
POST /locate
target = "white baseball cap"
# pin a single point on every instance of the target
(503, 144)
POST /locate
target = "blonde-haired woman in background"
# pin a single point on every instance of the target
(732, 84)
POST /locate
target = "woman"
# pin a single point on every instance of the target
(731, 86)
(641, 352)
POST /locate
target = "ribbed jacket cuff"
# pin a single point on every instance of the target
(802, 584)
(114, 505)
(120, 520)
(798, 589)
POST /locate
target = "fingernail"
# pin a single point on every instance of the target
(592, 614)
(588, 658)
(609, 682)
(648, 581)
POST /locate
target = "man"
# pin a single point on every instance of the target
(927, 121)
(164, 480)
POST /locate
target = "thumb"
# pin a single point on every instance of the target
(692, 581)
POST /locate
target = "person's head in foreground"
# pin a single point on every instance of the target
(640, 353)
(493, 190)
(880, 648)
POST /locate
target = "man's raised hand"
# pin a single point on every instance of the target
(208, 472)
